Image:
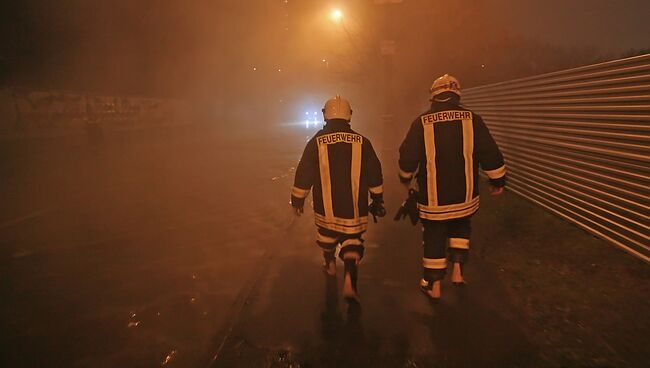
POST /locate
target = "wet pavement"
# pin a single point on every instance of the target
(294, 316)
(184, 253)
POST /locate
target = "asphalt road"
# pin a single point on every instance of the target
(182, 252)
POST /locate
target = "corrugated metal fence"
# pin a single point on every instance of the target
(576, 142)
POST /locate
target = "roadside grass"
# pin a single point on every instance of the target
(584, 302)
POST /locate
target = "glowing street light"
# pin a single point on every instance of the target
(336, 15)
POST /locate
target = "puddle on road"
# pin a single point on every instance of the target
(170, 332)
(169, 357)
(284, 358)
(338, 352)
(133, 322)
(242, 353)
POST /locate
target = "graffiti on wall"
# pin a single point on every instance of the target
(34, 109)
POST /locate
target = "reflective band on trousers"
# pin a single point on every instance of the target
(350, 242)
(376, 190)
(405, 175)
(434, 263)
(459, 243)
(325, 239)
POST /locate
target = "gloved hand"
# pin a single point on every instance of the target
(298, 211)
(297, 205)
(409, 208)
(496, 191)
(376, 208)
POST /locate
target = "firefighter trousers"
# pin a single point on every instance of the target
(328, 240)
(443, 241)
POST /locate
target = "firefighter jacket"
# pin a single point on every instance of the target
(445, 146)
(342, 167)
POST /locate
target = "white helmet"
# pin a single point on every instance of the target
(337, 108)
(446, 83)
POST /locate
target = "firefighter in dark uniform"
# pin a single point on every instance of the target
(342, 168)
(443, 149)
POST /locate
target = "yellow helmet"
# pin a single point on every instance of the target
(446, 83)
(337, 108)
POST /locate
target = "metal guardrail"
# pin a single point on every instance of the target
(577, 142)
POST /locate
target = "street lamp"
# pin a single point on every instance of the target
(336, 15)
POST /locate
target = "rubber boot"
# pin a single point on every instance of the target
(457, 275)
(329, 264)
(350, 281)
(431, 289)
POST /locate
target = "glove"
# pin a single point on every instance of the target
(298, 211)
(496, 191)
(298, 206)
(409, 208)
(376, 208)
